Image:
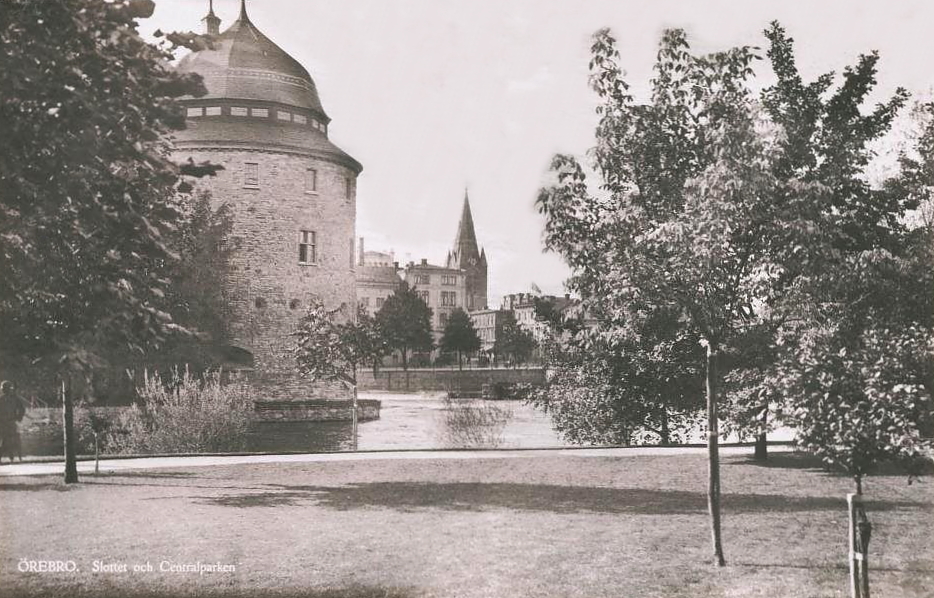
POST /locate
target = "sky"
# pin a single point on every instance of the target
(436, 97)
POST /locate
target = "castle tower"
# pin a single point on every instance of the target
(466, 255)
(290, 189)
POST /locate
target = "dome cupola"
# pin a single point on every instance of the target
(245, 65)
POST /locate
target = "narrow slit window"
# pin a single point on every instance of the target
(251, 174)
(311, 180)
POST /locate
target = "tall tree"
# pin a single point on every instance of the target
(89, 196)
(460, 336)
(826, 138)
(513, 341)
(405, 320)
(689, 223)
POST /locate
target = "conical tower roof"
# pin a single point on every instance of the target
(466, 252)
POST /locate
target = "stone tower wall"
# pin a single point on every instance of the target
(268, 290)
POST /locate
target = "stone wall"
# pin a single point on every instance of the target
(367, 409)
(466, 381)
(269, 290)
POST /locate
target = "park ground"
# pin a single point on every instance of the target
(523, 525)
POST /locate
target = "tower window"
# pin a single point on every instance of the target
(307, 248)
(300, 118)
(260, 112)
(283, 115)
(311, 180)
(294, 303)
(251, 175)
(351, 245)
(238, 111)
(195, 111)
(260, 303)
(348, 187)
(212, 111)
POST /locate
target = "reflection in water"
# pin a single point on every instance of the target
(472, 423)
(417, 421)
(407, 421)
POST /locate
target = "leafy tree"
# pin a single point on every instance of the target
(460, 336)
(633, 389)
(513, 341)
(89, 196)
(825, 141)
(691, 225)
(405, 321)
(332, 345)
(196, 297)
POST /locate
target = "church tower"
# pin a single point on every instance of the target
(290, 190)
(466, 255)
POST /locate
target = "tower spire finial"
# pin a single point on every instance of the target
(212, 24)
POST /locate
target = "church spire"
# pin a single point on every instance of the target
(212, 24)
(465, 252)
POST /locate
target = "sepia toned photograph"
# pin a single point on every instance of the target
(466, 299)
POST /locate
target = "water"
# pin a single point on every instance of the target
(417, 421)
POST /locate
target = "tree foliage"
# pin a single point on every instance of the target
(405, 321)
(332, 344)
(459, 335)
(89, 196)
(512, 341)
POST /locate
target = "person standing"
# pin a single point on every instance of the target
(12, 412)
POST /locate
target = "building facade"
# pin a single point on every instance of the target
(291, 191)
(442, 289)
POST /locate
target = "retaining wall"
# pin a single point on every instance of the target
(469, 381)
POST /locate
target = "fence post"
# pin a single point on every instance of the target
(851, 501)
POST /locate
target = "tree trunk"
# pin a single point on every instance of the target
(665, 432)
(761, 454)
(354, 419)
(713, 455)
(68, 427)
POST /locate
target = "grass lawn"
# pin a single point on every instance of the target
(538, 526)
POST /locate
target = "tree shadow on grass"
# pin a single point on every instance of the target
(416, 496)
(806, 461)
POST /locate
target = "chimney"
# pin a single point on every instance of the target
(360, 257)
(424, 261)
(212, 24)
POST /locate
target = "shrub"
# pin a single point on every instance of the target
(185, 415)
(469, 423)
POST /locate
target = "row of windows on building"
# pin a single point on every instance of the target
(282, 115)
(251, 180)
(446, 279)
(309, 249)
(448, 298)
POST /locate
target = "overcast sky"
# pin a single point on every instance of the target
(433, 96)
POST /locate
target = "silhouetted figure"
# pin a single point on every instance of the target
(12, 412)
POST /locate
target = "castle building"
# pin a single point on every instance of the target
(290, 189)
(466, 255)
